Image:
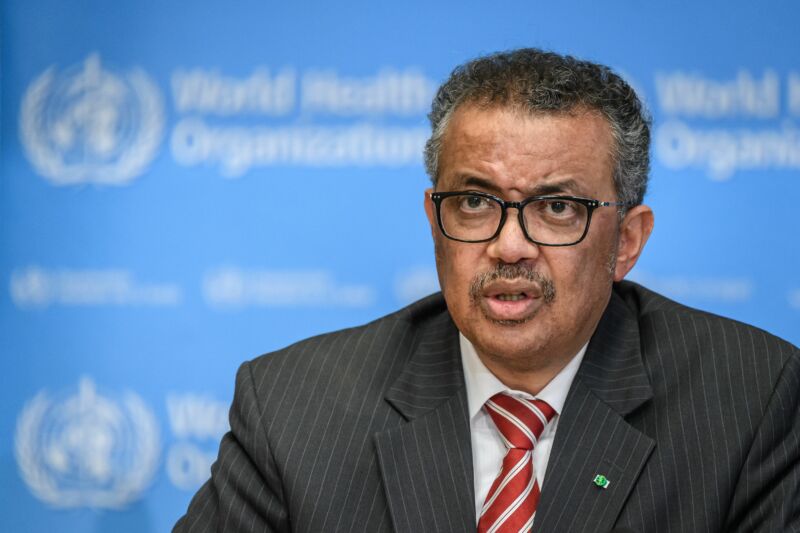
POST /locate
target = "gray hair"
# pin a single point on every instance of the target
(539, 81)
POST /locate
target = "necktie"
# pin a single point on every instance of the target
(511, 502)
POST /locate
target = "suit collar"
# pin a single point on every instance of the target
(594, 437)
(433, 373)
(426, 463)
(613, 368)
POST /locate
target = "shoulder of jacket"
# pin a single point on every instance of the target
(662, 313)
(417, 315)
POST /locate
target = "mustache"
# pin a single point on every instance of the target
(513, 272)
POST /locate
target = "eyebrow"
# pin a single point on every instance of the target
(560, 186)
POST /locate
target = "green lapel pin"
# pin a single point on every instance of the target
(601, 481)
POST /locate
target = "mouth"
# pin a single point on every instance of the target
(510, 302)
(511, 294)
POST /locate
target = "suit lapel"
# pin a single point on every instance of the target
(593, 437)
(426, 463)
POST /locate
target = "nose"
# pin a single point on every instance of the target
(511, 245)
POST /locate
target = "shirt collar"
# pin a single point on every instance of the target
(482, 384)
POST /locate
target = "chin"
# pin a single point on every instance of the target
(509, 342)
(517, 358)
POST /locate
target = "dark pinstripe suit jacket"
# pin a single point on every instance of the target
(695, 420)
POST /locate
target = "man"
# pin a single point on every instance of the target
(539, 389)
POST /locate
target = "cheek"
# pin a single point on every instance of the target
(457, 266)
(444, 263)
(584, 280)
(574, 272)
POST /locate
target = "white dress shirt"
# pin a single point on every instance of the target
(488, 448)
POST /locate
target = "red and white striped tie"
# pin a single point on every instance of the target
(511, 502)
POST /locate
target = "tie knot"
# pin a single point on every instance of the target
(519, 421)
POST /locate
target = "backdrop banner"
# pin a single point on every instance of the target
(186, 186)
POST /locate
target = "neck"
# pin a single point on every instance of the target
(527, 376)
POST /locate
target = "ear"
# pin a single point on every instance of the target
(634, 231)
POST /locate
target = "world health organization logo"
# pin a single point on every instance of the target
(90, 125)
(84, 449)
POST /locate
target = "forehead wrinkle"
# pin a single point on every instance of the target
(521, 161)
(495, 177)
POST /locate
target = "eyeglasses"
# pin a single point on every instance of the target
(471, 216)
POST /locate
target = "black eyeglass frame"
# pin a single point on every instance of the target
(590, 204)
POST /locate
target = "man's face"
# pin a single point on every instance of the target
(527, 307)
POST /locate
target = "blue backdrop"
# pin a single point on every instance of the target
(188, 185)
